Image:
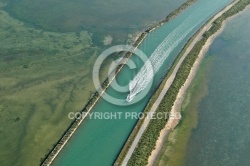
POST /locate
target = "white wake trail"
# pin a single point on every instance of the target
(160, 54)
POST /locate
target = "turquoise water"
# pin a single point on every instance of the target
(98, 142)
(222, 135)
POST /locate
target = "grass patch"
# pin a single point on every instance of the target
(150, 136)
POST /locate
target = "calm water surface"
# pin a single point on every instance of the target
(101, 18)
(222, 135)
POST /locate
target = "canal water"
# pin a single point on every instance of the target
(99, 141)
(222, 134)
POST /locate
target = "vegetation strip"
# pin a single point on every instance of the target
(155, 97)
(128, 143)
(182, 91)
(168, 145)
(49, 158)
(147, 109)
(149, 138)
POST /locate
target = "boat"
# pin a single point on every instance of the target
(130, 97)
(131, 94)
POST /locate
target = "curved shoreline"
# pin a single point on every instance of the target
(182, 76)
(171, 124)
(169, 82)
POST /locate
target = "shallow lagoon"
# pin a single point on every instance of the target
(215, 127)
(46, 73)
(116, 18)
(222, 134)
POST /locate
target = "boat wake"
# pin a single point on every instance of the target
(158, 57)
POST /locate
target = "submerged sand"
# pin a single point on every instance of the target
(172, 123)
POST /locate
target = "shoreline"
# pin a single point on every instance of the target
(77, 122)
(136, 128)
(172, 123)
(69, 132)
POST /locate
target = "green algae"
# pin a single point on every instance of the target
(175, 146)
(44, 75)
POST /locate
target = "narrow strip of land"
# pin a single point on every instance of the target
(180, 97)
(172, 122)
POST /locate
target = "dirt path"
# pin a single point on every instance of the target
(173, 122)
